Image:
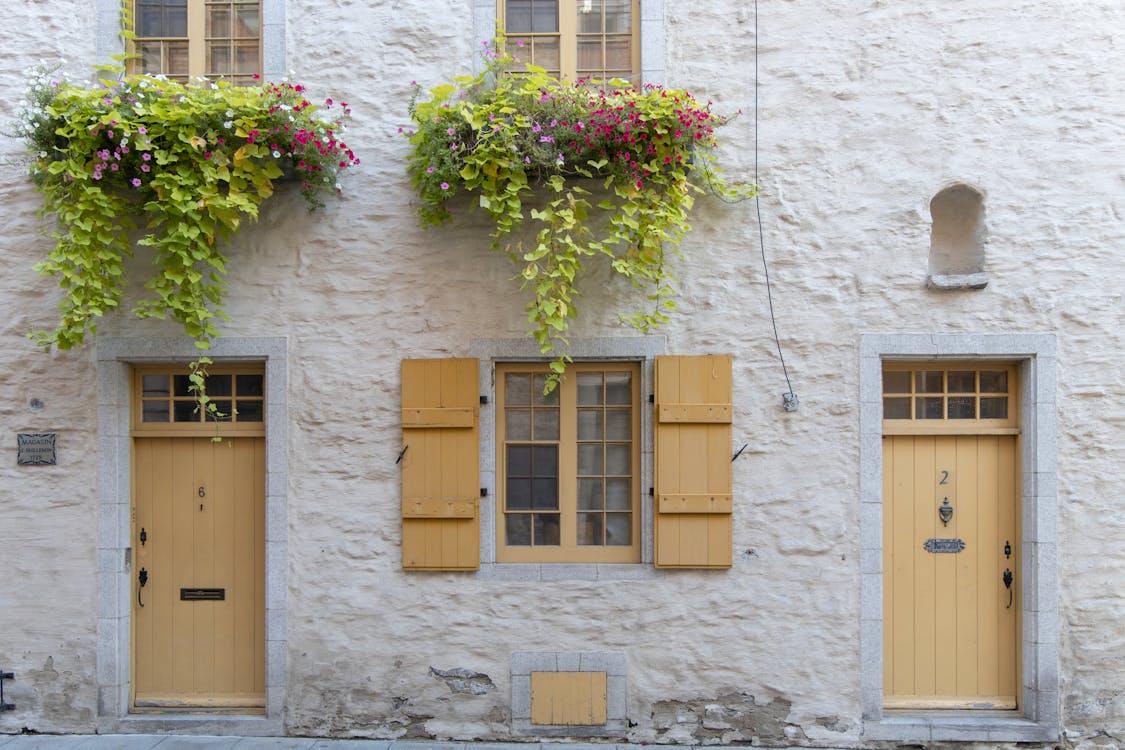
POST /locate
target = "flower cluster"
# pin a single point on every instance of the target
(531, 126)
(133, 129)
(193, 160)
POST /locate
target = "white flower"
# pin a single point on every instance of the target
(277, 154)
(228, 124)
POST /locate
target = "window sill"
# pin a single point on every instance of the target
(567, 572)
(956, 727)
(954, 282)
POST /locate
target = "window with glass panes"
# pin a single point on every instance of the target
(568, 464)
(575, 39)
(949, 396)
(198, 38)
(166, 402)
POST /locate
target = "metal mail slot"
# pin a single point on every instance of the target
(944, 545)
(203, 595)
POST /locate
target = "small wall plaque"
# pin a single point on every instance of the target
(35, 449)
(944, 545)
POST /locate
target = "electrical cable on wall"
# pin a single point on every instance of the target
(789, 398)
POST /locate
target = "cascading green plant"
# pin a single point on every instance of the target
(500, 134)
(184, 164)
(189, 161)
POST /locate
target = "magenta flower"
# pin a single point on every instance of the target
(445, 186)
(136, 182)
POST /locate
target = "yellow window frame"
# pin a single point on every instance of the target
(568, 37)
(230, 426)
(568, 550)
(913, 425)
(197, 40)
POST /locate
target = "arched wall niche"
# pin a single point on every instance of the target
(957, 239)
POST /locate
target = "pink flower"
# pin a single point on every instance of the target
(145, 168)
(136, 182)
(429, 170)
(146, 157)
(450, 131)
(445, 186)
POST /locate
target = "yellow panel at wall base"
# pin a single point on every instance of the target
(568, 698)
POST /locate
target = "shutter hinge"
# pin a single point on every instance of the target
(483, 400)
(652, 398)
(484, 492)
(652, 492)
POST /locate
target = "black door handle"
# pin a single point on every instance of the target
(142, 578)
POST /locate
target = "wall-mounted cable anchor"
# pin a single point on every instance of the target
(790, 401)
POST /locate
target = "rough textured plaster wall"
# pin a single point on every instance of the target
(47, 513)
(868, 109)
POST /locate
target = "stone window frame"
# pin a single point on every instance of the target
(489, 352)
(652, 36)
(613, 663)
(115, 359)
(108, 40)
(1038, 717)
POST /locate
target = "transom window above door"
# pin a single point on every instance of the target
(164, 402)
(575, 39)
(198, 38)
(925, 397)
(569, 463)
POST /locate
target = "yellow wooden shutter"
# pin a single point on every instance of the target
(441, 465)
(693, 470)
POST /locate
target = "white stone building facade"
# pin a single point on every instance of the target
(866, 112)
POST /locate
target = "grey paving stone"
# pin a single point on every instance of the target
(276, 743)
(183, 742)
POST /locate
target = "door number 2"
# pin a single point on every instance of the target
(944, 478)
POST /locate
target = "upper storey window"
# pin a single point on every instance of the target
(198, 38)
(575, 39)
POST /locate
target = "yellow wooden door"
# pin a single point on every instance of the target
(199, 542)
(950, 619)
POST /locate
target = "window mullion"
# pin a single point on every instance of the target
(568, 39)
(568, 464)
(197, 35)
